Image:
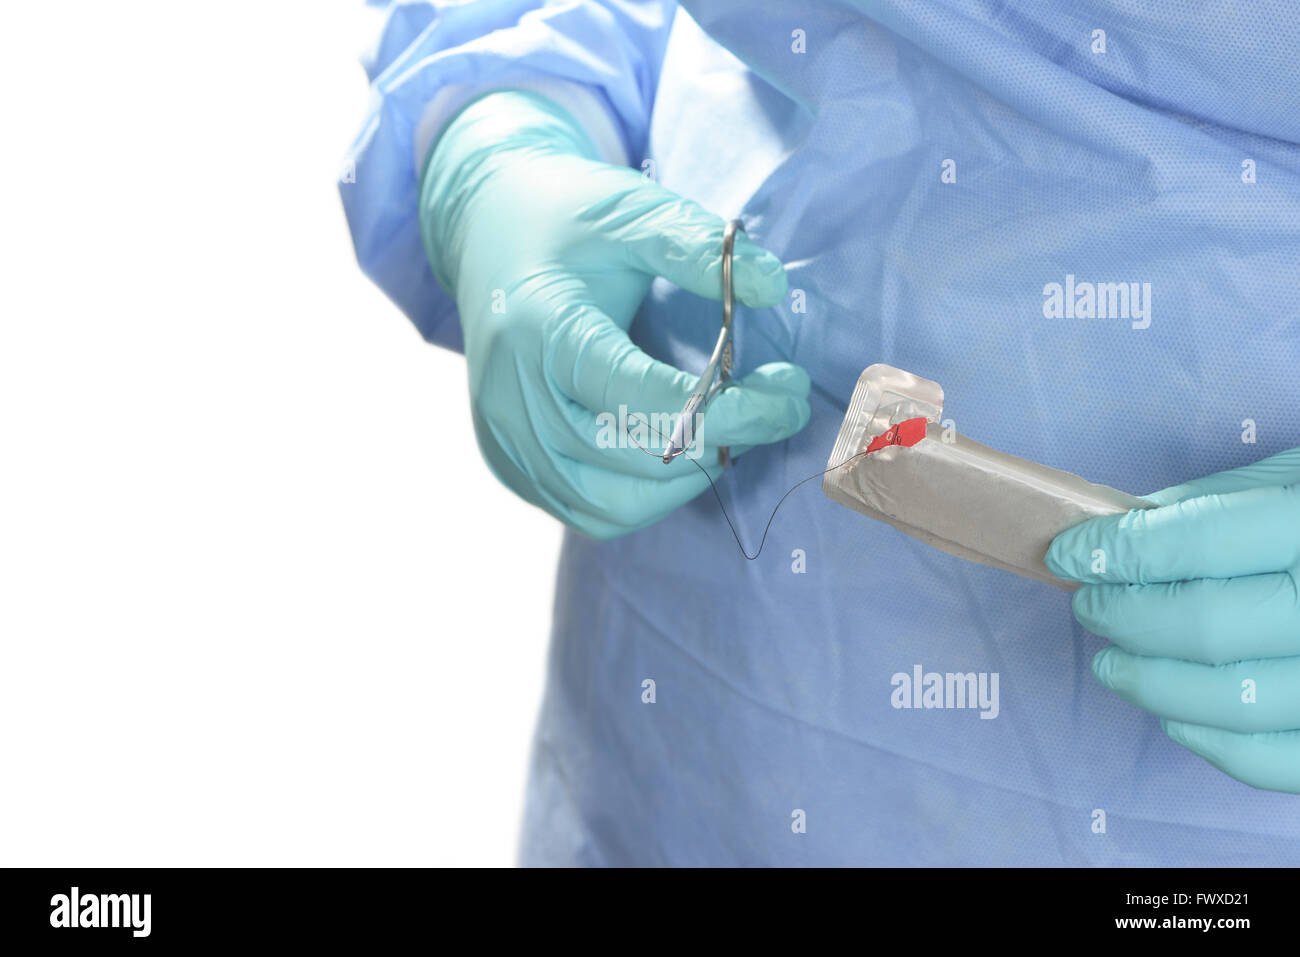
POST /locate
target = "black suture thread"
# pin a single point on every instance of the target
(718, 495)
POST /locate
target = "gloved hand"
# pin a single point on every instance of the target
(1202, 600)
(548, 254)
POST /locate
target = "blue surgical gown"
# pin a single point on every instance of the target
(926, 170)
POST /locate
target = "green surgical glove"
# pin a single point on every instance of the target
(548, 253)
(1201, 598)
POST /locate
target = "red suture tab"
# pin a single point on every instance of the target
(906, 433)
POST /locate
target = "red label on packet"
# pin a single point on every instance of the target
(906, 433)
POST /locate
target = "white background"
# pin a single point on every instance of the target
(260, 600)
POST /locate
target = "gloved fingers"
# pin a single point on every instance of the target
(1250, 532)
(1280, 469)
(1212, 621)
(663, 234)
(593, 362)
(630, 445)
(768, 405)
(628, 503)
(602, 505)
(592, 498)
(1269, 760)
(1258, 695)
(529, 471)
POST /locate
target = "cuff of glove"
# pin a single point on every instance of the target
(585, 105)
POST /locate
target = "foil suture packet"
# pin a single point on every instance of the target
(949, 491)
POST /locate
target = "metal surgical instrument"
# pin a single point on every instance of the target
(719, 363)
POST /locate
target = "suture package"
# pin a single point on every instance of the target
(905, 468)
